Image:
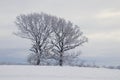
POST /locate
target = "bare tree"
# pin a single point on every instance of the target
(37, 28)
(66, 36)
(48, 32)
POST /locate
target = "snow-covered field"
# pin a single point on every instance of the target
(17, 72)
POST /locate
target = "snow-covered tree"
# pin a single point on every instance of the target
(51, 36)
(37, 28)
(66, 36)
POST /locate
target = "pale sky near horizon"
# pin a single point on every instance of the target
(98, 19)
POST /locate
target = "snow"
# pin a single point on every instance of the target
(27, 72)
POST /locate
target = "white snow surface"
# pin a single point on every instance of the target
(27, 72)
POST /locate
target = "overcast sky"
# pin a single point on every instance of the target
(98, 19)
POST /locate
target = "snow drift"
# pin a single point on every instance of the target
(26, 72)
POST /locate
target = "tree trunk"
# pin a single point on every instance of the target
(38, 62)
(61, 60)
(39, 56)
